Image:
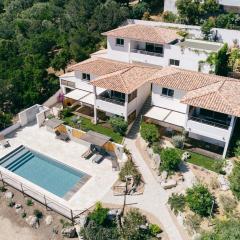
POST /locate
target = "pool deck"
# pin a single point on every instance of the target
(82, 196)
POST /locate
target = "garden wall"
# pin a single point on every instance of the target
(10, 129)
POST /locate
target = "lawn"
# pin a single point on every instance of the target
(86, 125)
(200, 160)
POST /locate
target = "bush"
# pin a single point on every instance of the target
(131, 226)
(178, 141)
(66, 112)
(5, 120)
(99, 214)
(154, 229)
(156, 148)
(234, 179)
(169, 16)
(149, 132)
(37, 213)
(170, 160)
(218, 166)
(193, 222)
(177, 203)
(23, 214)
(129, 168)
(200, 200)
(3, 189)
(119, 125)
(11, 203)
(237, 149)
(29, 202)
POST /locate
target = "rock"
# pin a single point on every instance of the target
(48, 220)
(224, 183)
(69, 232)
(8, 195)
(185, 156)
(164, 175)
(169, 184)
(18, 205)
(81, 220)
(18, 210)
(32, 221)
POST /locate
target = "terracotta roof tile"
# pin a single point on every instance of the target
(125, 81)
(145, 33)
(98, 66)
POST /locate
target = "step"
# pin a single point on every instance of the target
(22, 163)
(13, 158)
(16, 150)
(12, 164)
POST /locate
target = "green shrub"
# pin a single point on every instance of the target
(169, 16)
(156, 148)
(178, 141)
(129, 168)
(154, 229)
(149, 132)
(37, 213)
(23, 214)
(66, 112)
(29, 202)
(218, 166)
(177, 203)
(237, 149)
(170, 160)
(11, 203)
(99, 214)
(200, 200)
(119, 125)
(3, 189)
(234, 179)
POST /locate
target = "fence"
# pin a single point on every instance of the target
(47, 201)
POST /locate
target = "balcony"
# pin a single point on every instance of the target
(142, 51)
(209, 122)
(112, 97)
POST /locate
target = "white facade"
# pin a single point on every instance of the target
(170, 5)
(131, 52)
(198, 130)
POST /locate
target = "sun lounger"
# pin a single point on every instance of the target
(62, 136)
(97, 158)
(4, 143)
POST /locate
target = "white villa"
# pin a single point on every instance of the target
(143, 61)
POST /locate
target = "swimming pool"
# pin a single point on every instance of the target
(43, 171)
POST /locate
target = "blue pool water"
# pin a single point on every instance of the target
(41, 170)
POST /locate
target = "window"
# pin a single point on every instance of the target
(119, 42)
(167, 92)
(174, 62)
(86, 76)
(132, 96)
(156, 48)
(67, 83)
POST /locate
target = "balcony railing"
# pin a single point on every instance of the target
(141, 51)
(208, 122)
(111, 100)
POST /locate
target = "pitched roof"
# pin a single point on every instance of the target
(98, 66)
(145, 33)
(183, 79)
(126, 80)
(223, 96)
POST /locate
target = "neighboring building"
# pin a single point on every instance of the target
(206, 106)
(154, 45)
(228, 5)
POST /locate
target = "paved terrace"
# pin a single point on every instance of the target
(39, 139)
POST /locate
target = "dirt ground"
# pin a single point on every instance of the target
(14, 227)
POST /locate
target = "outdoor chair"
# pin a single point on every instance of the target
(97, 158)
(3, 142)
(62, 136)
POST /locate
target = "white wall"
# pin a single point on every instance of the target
(10, 129)
(166, 102)
(142, 95)
(53, 99)
(206, 130)
(110, 107)
(119, 53)
(170, 5)
(29, 114)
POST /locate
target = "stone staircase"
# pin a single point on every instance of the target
(132, 134)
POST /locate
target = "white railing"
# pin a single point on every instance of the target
(48, 202)
(140, 51)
